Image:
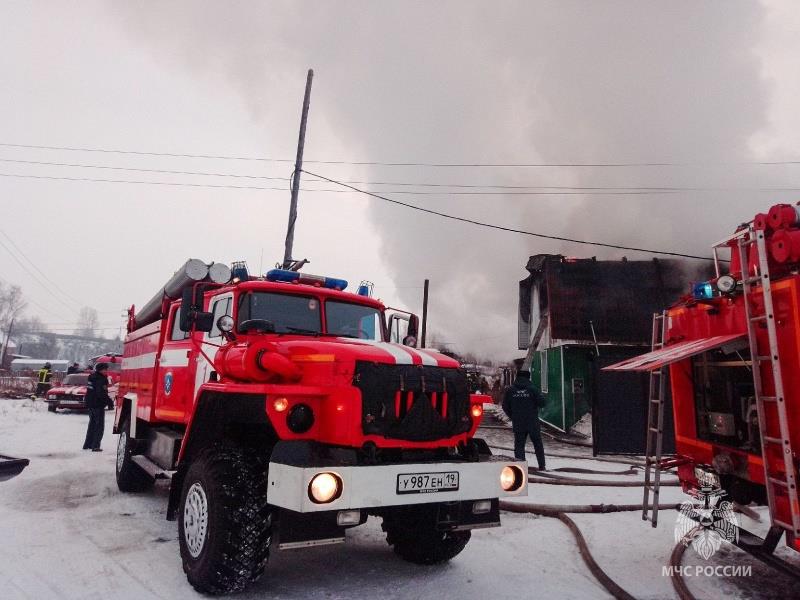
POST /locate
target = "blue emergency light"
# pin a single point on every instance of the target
(703, 291)
(286, 276)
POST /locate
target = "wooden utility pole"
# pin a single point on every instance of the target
(424, 314)
(298, 168)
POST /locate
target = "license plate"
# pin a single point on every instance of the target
(427, 483)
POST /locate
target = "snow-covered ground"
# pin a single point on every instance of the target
(67, 532)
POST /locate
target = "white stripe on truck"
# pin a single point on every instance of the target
(143, 361)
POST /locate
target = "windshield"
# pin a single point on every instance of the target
(283, 313)
(76, 379)
(115, 367)
(353, 320)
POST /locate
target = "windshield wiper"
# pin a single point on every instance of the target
(301, 331)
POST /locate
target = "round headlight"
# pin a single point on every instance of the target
(280, 404)
(300, 418)
(225, 323)
(511, 478)
(726, 284)
(476, 410)
(324, 488)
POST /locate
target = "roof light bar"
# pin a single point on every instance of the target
(285, 276)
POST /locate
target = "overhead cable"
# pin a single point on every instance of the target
(507, 229)
(403, 164)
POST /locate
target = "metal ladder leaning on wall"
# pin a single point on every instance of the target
(787, 479)
(655, 425)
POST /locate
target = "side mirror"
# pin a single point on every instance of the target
(406, 333)
(203, 321)
(413, 327)
(191, 314)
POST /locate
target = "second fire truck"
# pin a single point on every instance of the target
(283, 414)
(728, 355)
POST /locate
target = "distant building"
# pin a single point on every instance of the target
(572, 309)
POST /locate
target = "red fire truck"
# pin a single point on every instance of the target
(728, 354)
(283, 415)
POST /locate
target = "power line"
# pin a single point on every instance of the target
(643, 192)
(113, 168)
(518, 190)
(402, 164)
(610, 189)
(34, 277)
(43, 308)
(330, 191)
(25, 256)
(508, 229)
(169, 183)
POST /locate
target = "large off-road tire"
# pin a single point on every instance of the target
(130, 478)
(414, 537)
(224, 521)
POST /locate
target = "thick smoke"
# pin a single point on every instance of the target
(552, 82)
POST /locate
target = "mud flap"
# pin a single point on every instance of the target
(302, 530)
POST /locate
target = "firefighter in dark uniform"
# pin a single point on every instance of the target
(43, 379)
(97, 399)
(522, 403)
(73, 368)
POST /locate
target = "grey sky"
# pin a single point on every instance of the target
(700, 83)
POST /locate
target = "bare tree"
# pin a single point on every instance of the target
(12, 303)
(88, 322)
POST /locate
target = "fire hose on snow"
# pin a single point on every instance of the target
(560, 512)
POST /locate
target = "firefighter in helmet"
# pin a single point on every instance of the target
(43, 380)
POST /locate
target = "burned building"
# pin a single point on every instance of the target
(576, 315)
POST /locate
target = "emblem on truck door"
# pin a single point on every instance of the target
(168, 382)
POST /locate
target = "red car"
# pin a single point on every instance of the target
(71, 393)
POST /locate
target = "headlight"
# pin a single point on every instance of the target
(476, 411)
(324, 488)
(280, 404)
(51, 397)
(511, 478)
(225, 323)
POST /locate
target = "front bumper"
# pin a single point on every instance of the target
(375, 486)
(75, 403)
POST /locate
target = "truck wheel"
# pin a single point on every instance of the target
(224, 521)
(51, 407)
(130, 478)
(413, 534)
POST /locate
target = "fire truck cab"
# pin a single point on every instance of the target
(282, 415)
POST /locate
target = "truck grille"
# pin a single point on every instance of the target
(412, 402)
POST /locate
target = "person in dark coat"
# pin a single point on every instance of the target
(522, 403)
(73, 368)
(97, 399)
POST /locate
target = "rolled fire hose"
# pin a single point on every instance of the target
(553, 509)
(631, 471)
(553, 479)
(632, 461)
